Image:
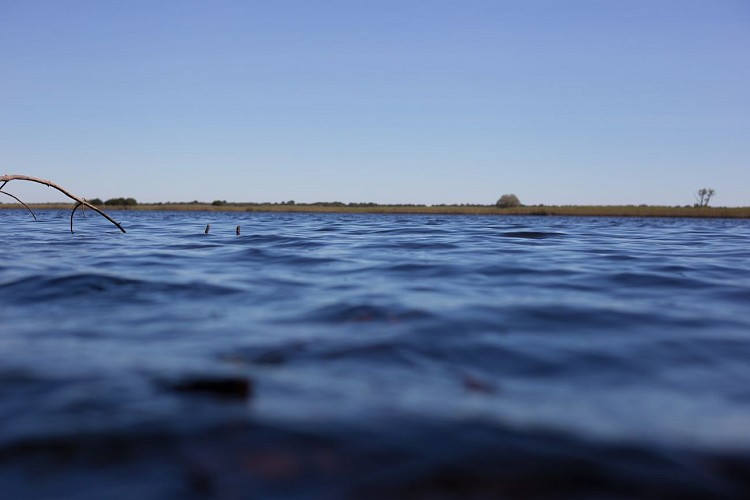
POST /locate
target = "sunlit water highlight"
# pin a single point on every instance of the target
(382, 354)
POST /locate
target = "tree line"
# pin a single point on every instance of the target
(703, 197)
(114, 202)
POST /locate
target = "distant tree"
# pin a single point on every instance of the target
(219, 203)
(121, 202)
(508, 201)
(703, 196)
(96, 201)
(329, 203)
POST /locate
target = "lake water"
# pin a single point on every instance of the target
(340, 355)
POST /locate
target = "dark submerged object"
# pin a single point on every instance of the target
(226, 387)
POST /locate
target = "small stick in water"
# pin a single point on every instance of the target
(208, 226)
(237, 231)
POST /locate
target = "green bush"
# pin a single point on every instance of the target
(121, 202)
(508, 201)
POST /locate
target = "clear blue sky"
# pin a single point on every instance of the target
(557, 101)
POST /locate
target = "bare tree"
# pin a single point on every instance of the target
(5, 179)
(704, 196)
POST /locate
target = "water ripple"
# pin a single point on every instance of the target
(426, 352)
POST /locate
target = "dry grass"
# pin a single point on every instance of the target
(572, 210)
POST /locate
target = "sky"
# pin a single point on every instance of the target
(430, 102)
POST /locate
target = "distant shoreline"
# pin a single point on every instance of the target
(539, 210)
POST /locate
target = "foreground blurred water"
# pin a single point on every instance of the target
(332, 355)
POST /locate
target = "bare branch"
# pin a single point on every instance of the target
(71, 216)
(704, 195)
(7, 178)
(18, 200)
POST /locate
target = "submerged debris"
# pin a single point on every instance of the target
(225, 387)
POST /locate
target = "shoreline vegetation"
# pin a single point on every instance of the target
(373, 208)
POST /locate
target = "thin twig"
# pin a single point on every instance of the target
(71, 216)
(18, 200)
(7, 178)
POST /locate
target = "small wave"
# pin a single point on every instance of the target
(657, 279)
(417, 270)
(193, 246)
(531, 235)
(578, 318)
(76, 287)
(412, 231)
(278, 241)
(386, 351)
(363, 313)
(434, 245)
(521, 269)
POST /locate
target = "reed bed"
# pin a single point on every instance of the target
(539, 210)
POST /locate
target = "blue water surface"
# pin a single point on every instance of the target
(347, 355)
